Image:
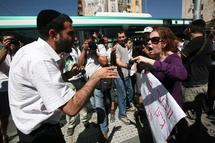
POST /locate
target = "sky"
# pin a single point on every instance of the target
(157, 8)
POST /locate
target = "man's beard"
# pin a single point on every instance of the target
(64, 46)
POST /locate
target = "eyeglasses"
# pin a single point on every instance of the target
(154, 40)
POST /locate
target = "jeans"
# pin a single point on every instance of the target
(100, 110)
(123, 88)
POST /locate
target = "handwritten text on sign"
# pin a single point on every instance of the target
(162, 110)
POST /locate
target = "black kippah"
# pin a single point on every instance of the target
(45, 17)
(199, 23)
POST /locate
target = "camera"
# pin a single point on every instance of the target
(13, 41)
(140, 40)
(83, 71)
(130, 63)
(92, 45)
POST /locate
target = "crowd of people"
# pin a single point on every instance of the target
(55, 75)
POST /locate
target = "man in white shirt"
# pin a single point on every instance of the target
(96, 57)
(37, 92)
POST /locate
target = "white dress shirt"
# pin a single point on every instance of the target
(36, 88)
(4, 70)
(93, 64)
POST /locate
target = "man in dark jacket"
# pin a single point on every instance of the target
(195, 57)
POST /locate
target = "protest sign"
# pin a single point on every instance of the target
(162, 110)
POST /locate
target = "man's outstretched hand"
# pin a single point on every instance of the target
(105, 72)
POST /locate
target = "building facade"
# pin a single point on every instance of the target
(91, 7)
(112, 6)
(207, 9)
(136, 6)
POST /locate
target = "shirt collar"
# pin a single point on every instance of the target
(49, 49)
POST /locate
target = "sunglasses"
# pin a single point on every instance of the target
(154, 40)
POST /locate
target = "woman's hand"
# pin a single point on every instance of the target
(143, 59)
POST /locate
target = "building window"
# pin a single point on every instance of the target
(113, 8)
(129, 1)
(137, 2)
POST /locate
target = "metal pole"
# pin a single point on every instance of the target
(145, 5)
(197, 9)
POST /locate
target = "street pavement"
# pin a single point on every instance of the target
(137, 132)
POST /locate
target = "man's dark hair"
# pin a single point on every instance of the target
(3, 34)
(50, 19)
(198, 26)
(120, 32)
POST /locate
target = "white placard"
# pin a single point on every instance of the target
(162, 110)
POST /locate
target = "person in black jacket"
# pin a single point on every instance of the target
(211, 79)
(195, 58)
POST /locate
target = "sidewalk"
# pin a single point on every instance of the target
(118, 132)
(137, 132)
